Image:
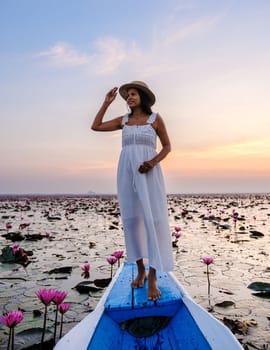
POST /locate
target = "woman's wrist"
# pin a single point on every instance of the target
(106, 104)
(153, 162)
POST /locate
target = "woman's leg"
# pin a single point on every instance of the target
(138, 282)
(153, 291)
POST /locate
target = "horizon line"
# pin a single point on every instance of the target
(93, 194)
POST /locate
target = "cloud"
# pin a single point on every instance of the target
(171, 37)
(109, 55)
(64, 55)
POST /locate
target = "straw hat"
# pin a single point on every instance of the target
(123, 90)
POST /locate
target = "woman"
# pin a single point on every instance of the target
(140, 185)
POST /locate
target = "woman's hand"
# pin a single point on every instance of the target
(110, 96)
(110, 125)
(146, 166)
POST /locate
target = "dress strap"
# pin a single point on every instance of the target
(125, 119)
(152, 118)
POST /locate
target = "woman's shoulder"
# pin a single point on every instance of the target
(155, 117)
(158, 123)
(152, 118)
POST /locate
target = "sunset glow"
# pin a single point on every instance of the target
(207, 63)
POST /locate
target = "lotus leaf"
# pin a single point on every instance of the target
(260, 286)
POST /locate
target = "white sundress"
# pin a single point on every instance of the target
(142, 198)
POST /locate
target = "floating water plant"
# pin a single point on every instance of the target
(14, 254)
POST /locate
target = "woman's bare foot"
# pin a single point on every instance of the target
(138, 282)
(153, 292)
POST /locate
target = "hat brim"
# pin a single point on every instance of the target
(123, 91)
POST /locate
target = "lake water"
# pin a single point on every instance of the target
(87, 229)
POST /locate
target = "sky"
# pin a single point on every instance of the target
(207, 61)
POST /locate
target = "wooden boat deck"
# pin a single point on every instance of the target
(134, 302)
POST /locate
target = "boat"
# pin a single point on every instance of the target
(124, 319)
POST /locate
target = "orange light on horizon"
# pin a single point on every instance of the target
(248, 159)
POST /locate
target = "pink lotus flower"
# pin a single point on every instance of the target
(23, 254)
(177, 235)
(86, 267)
(12, 318)
(63, 308)
(59, 297)
(15, 248)
(24, 225)
(208, 260)
(184, 212)
(112, 260)
(57, 300)
(118, 254)
(8, 226)
(86, 271)
(46, 295)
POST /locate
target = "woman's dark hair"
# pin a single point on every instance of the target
(145, 103)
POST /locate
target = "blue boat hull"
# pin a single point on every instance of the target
(125, 319)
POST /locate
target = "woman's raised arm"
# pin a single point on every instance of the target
(110, 125)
